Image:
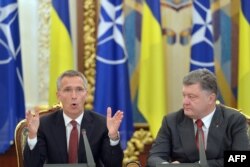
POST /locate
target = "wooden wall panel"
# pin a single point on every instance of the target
(9, 159)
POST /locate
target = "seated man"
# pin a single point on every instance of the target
(223, 128)
(56, 138)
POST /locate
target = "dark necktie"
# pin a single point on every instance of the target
(73, 143)
(199, 124)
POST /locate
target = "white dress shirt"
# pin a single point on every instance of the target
(206, 124)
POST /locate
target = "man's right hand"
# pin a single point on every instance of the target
(33, 122)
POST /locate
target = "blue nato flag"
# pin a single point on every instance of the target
(12, 107)
(112, 77)
(202, 51)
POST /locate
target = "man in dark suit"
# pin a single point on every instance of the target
(224, 128)
(49, 137)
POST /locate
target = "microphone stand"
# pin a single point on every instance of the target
(202, 154)
(89, 155)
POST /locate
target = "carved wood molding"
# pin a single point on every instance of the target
(87, 30)
(43, 49)
(138, 146)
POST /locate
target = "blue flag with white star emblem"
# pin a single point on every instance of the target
(202, 53)
(112, 77)
(12, 108)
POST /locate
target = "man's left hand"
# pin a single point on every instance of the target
(113, 123)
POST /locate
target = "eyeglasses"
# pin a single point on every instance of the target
(77, 90)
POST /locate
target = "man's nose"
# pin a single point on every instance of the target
(185, 100)
(74, 93)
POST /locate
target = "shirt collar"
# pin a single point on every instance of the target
(67, 119)
(207, 119)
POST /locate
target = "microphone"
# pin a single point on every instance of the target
(202, 154)
(89, 155)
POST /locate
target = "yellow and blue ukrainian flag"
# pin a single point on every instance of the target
(61, 49)
(112, 78)
(152, 97)
(244, 58)
(202, 52)
(12, 103)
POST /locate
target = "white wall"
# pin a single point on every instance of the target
(35, 65)
(28, 20)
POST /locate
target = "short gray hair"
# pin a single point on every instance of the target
(204, 77)
(72, 73)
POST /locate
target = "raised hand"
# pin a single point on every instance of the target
(33, 122)
(113, 123)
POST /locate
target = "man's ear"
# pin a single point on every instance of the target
(212, 97)
(58, 95)
(86, 92)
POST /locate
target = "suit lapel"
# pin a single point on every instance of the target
(187, 136)
(215, 133)
(59, 133)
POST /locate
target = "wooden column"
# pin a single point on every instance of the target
(86, 47)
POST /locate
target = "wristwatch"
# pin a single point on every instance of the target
(116, 138)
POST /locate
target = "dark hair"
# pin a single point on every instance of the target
(204, 77)
(72, 73)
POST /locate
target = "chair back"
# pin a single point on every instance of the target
(133, 164)
(21, 134)
(248, 122)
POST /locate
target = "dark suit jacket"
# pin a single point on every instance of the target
(176, 138)
(52, 142)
